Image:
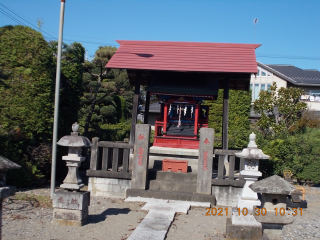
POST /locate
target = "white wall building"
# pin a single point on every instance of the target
(288, 76)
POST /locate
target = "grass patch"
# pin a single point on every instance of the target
(37, 201)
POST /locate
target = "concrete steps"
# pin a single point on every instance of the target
(173, 186)
(172, 181)
(172, 176)
(182, 196)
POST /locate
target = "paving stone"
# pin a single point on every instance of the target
(145, 233)
(166, 207)
(161, 214)
(155, 224)
(193, 204)
(169, 215)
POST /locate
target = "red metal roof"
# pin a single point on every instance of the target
(185, 56)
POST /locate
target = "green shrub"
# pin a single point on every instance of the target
(239, 109)
(121, 108)
(310, 172)
(114, 132)
(298, 153)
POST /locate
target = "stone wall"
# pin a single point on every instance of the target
(226, 195)
(108, 187)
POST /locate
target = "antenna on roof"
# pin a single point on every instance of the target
(255, 22)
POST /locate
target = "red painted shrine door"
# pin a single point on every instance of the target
(180, 120)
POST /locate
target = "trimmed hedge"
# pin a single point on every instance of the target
(239, 110)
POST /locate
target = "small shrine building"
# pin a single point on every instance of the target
(183, 74)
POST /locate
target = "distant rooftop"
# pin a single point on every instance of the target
(294, 74)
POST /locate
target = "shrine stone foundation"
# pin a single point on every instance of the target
(70, 208)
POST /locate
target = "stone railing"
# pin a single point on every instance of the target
(110, 159)
(227, 175)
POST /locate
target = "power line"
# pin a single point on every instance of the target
(98, 43)
(11, 17)
(51, 37)
(26, 21)
(101, 43)
(287, 57)
(16, 20)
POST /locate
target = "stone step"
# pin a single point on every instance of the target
(183, 196)
(173, 176)
(173, 186)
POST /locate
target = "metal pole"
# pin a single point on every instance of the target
(56, 102)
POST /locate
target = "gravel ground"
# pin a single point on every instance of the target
(111, 218)
(306, 226)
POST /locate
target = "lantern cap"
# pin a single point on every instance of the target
(252, 151)
(273, 185)
(74, 140)
(6, 164)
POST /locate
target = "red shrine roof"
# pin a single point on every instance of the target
(185, 56)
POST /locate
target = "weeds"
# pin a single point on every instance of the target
(37, 201)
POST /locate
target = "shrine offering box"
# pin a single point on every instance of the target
(174, 165)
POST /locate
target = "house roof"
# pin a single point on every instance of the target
(185, 56)
(296, 76)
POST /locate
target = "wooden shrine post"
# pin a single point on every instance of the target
(146, 108)
(141, 156)
(196, 114)
(225, 116)
(135, 108)
(165, 118)
(225, 119)
(204, 178)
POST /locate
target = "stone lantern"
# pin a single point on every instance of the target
(70, 206)
(5, 191)
(74, 142)
(274, 214)
(5, 165)
(243, 225)
(251, 172)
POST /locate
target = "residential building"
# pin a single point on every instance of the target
(288, 76)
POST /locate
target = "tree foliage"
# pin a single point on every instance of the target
(71, 83)
(238, 127)
(27, 71)
(280, 109)
(99, 104)
(27, 78)
(283, 133)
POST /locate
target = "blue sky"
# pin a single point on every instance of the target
(289, 30)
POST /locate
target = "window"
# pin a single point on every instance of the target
(256, 91)
(260, 82)
(314, 95)
(268, 86)
(259, 87)
(263, 73)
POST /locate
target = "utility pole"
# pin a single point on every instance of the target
(56, 102)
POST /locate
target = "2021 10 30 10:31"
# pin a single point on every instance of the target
(258, 211)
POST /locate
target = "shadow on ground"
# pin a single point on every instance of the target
(109, 212)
